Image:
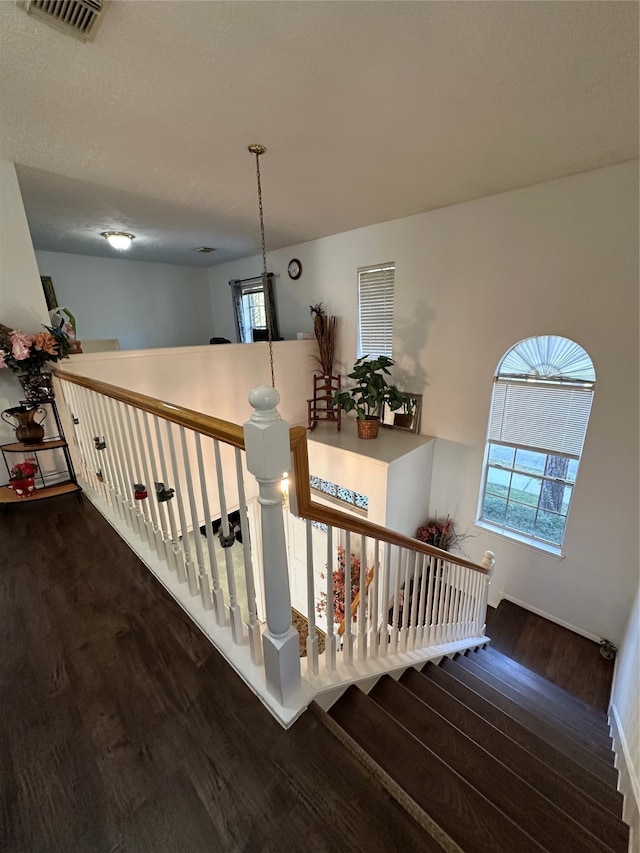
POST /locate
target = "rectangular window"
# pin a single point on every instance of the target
(375, 311)
(251, 297)
(528, 491)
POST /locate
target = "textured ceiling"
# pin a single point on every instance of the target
(370, 111)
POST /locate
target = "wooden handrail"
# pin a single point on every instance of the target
(313, 511)
(233, 434)
(356, 602)
(205, 424)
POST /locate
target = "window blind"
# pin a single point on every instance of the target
(547, 416)
(375, 311)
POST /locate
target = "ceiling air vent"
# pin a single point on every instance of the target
(78, 18)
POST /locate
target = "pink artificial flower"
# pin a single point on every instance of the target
(20, 344)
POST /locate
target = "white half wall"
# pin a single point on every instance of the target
(214, 380)
(142, 304)
(472, 280)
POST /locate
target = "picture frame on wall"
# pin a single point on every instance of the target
(49, 292)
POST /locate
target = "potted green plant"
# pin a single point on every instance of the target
(370, 391)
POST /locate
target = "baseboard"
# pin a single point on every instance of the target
(550, 617)
(628, 782)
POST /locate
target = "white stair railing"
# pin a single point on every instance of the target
(419, 597)
(167, 475)
(163, 474)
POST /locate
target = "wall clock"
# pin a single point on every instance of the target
(294, 269)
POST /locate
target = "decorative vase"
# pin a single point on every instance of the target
(23, 488)
(368, 428)
(28, 430)
(37, 386)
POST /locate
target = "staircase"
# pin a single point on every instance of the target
(489, 756)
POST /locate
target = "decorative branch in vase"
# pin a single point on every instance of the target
(324, 328)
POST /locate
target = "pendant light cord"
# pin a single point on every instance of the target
(258, 150)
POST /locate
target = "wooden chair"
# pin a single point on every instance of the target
(319, 408)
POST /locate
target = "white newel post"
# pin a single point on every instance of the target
(488, 562)
(266, 438)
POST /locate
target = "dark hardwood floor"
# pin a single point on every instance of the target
(121, 729)
(565, 658)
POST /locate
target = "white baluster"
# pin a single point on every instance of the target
(108, 466)
(235, 614)
(178, 560)
(407, 598)
(383, 642)
(431, 569)
(117, 462)
(440, 592)
(395, 619)
(254, 627)
(411, 640)
(453, 604)
(347, 636)
(218, 594)
(86, 441)
(74, 407)
(361, 612)
(125, 465)
(156, 541)
(203, 580)
(421, 618)
(96, 457)
(488, 562)
(155, 476)
(312, 639)
(141, 509)
(268, 455)
(468, 601)
(192, 580)
(374, 616)
(330, 641)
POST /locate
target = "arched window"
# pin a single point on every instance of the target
(540, 408)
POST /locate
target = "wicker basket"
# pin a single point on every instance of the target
(368, 428)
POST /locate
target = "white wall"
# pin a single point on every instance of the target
(22, 302)
(471, 280)
(625, 711)
(142, 304)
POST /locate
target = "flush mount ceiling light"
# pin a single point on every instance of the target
(118, 239)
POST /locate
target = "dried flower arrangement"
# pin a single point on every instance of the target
(339, 584)
(324, 328)
(24, 470)
(441, 533)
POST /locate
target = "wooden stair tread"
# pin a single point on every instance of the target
(563, 764)
(586, 711)
(547, 781)
(464, 814)
(534, 721)
(537, 816)
(535, 695)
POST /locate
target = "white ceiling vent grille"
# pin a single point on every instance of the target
(78, 18)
